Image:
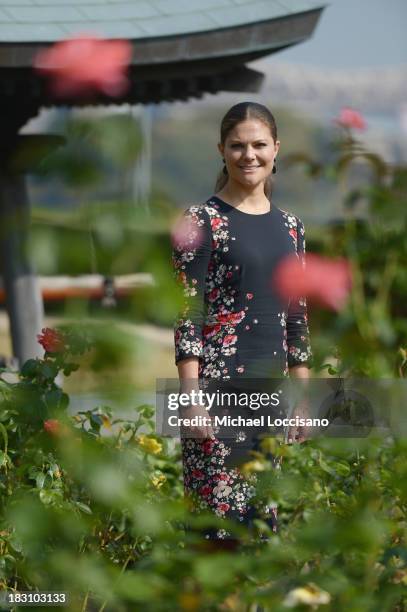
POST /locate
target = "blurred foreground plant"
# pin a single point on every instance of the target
(92, 505)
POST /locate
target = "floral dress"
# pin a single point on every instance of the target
(234, 321)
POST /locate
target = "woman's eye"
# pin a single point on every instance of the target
(260, 144)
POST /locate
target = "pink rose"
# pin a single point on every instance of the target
(186, 234)
(324, 281)
(86, 64)
(350, 118)
(51, 340)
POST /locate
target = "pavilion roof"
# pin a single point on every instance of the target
(42, 21)
(181, 48)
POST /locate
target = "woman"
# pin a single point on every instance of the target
(234, 325)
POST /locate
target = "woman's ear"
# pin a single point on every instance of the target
(220, 148)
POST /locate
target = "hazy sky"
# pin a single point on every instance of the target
(356, 33)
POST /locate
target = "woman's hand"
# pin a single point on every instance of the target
(203, 429)
(299, 433)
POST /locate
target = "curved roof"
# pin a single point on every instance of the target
(181, 48)
(26, 21)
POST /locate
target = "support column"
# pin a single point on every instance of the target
(23, 296)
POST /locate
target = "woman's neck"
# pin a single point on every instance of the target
(255, 203)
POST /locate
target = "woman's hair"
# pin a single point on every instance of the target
(242, 112)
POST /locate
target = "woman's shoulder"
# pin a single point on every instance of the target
(203, 210)
(290, 219)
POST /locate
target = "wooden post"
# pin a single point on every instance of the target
(23, 296)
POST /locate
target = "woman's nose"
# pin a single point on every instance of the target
(249, 153)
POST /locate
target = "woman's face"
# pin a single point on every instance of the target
(249, 152)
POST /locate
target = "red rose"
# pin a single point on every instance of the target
(86, 64)
(52, 340)
(52, 427)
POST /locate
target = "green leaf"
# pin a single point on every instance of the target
(30, 368)
(326, 467)
(83, 507)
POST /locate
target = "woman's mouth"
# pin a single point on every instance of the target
(249, 168)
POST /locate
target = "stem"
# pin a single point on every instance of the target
(104, 604)
(85, 602)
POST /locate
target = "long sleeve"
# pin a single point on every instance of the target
(298, 340)
(192, 244)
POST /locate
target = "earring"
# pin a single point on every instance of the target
(225, 170)
(274, 168)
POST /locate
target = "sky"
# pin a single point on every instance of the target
(355, 33)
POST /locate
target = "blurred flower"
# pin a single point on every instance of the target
(158, 480)
(52, 426)
(350, 118)
(309, 595)
(186, 235)
(150, 445)
(252, 466)
(323, 280)
(85, 64)
(106, 421)
(190, 602)
(52, 340)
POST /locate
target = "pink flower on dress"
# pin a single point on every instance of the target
(205, 491)
(207, 446)
(229, 339)
(223, 507)
(216, 223)
(211, 330)
(231, 317)
(198, 474)
(213, 295)
(249, 296)
(324, 281)
(293, 233)
(350, 118)
(86, 64)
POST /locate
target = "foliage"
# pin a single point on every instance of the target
(94, 507)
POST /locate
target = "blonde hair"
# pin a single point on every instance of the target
(236, 114)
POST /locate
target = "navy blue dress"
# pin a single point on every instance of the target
(237, 325)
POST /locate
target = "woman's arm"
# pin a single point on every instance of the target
(192, 246)
(191, 255)
(298, 338)
(299, 347)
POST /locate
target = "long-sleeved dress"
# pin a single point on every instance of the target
(234, 321)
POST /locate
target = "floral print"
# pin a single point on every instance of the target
(235, 324)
